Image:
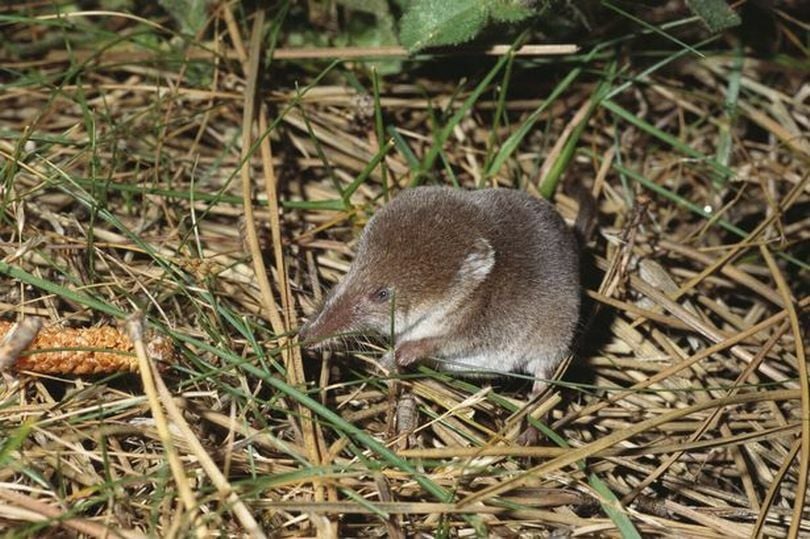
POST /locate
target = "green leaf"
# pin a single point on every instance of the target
(371, 24)
(715, 14)
(441, 22)
(510, 10)
(190, 14)
(13, 442)
(380, 33)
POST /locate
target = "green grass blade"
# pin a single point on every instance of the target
(665, 137)
(549, 183)
(403, 148)
(367, 170)
(445, 132)
(499, 116)
(14, 441)
(379, 129)
(677, 199)
(652, 28)
(513, 141)
(326, 414)
(77, 297)
(612, 506)
(724, 144)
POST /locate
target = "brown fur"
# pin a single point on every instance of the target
(482, 280)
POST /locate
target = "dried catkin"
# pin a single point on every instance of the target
(95, 350)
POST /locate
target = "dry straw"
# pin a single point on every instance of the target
(222, 195)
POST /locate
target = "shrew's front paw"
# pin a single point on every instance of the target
(409, 352)
(389, 361)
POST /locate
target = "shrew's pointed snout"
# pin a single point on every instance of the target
(313, 331)
(333, 319)
(305, 333)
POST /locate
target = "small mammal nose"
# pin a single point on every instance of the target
(304, 332)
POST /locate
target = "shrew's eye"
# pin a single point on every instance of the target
(382, 295)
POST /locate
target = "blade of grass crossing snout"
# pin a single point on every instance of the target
(444, 132)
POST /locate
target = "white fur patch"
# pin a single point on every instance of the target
(485, 362)
(479, 262)
(425, 324)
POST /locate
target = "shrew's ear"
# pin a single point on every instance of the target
(478, 262)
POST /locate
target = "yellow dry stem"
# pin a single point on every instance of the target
(76, 351)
